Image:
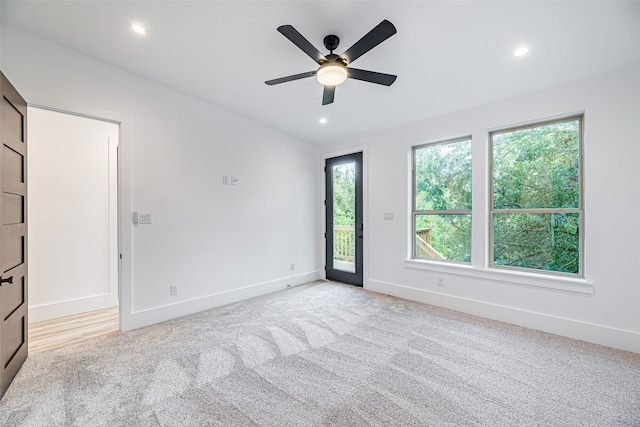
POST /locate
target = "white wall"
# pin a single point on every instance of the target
(73, 211)
(218, 243)
(604, 307)
(223, 243)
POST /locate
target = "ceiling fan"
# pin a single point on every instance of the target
(333, 68)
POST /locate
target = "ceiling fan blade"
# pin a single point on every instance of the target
(372, 76)
(328, 94)
(290, 78)
(373, 38)
(298, 39)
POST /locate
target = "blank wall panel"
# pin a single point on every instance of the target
(12, 122)
(12, 253)
(72, 214)
(14, 340)
(13, 209)
(13, 296)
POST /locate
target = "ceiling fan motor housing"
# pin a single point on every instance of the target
(332, 57)
(331, 42)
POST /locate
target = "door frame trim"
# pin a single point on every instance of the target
(322, 258)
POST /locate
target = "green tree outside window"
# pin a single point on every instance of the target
(442, 200)
(536, 197)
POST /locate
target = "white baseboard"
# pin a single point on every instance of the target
(160, 314)
(598, 334)
(40, 313)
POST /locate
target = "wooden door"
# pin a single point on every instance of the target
(13, 234)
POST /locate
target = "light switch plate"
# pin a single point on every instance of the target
(144, 218)
(387, 216)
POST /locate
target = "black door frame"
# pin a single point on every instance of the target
(356, 278)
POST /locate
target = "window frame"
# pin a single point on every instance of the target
(580, 210)
(415, 212)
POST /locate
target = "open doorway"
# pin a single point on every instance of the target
(73, 223)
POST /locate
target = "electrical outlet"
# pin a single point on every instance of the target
(440, 281)
(293, 267)
(173, 290)
(225, 180)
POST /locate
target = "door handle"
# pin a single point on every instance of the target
(3, 280)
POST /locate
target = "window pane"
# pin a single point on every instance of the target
(443, 237)
(538, 241)
(443, 176)
(344, 216)
(537, 167)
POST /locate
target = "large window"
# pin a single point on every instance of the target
(536, 212)
(442, 200)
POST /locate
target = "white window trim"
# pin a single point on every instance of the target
(538, 280)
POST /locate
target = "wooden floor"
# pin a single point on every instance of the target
(59, 332)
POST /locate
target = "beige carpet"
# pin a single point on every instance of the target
(327, 354)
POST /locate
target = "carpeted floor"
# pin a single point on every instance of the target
(327, 354)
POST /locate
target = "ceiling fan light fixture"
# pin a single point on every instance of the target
(332, 74)
(333, 69)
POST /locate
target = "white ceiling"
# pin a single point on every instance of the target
(448, 55)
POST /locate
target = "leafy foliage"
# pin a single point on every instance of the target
(538, 241)
(344, 194)
(537, 168)
(450, 235)
(443, 183)
(443, 176)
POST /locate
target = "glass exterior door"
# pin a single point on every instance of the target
(344, 228)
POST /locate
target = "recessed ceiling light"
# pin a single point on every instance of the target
(139, 29)
(520, 51)
(323, 120)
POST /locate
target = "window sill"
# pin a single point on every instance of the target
(566, 284)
